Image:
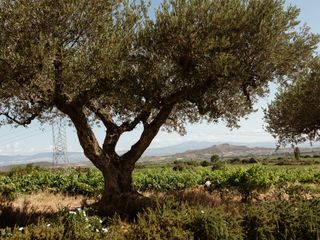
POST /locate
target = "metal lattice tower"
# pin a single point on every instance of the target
(59, 143)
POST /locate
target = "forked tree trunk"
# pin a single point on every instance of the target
(119, 194)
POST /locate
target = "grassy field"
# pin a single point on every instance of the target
(244, 201)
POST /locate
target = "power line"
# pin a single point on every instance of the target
(18, 131)
(23, 138)
(14, 137)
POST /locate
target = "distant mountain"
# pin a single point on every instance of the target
(228, 150)
(190, 150)
(75, 157)
(170, 150)
(6, 160)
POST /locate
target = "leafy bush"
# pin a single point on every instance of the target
(214, 158)
(64, 225)
(218, 166)
(283, 220)
(180, 221)
(215, 224)
(205, 163)
(178, 167)
(249, 161)
(159, 224)
(234, 160)
(254, 178)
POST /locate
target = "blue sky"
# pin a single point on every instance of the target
(34, 140)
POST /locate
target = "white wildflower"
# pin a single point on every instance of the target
(48, 225)
(202, 211)
(104, 230)
(20, 229)
(97, 230)
(72, 212)
(207, 184)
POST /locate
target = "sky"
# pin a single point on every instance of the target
(36, 138)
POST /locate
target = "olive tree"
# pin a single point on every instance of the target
(108, 61)
(294, 116)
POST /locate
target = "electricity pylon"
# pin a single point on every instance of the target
(59, 143)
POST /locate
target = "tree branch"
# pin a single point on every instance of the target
(149, 132)
(85, 134)
(104, 116)
(22, 122)
(129, 126)
(59, 96)
(114, 131)
(96, 89)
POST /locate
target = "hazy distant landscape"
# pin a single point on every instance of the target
(186, 151)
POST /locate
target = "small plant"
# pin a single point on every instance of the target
(214, 158)
(211, 225)
(205, 163)
(218, 166)
(178, 167)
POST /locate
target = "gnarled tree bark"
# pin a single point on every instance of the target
(120, 195)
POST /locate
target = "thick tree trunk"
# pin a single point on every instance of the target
(119, 194)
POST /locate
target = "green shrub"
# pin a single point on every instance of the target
(214, 158)
(283, 220)
(205, 163)
(178, 167)
(252, 179)
(164, 222)
(179, 221)
(234, 160)
(218, 166)
(192, 163)
(63, 225)
(250, 160)
(215, 224)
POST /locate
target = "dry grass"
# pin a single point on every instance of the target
(198, 196)
(49, 202)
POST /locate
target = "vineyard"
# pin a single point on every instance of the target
(244, 179)
(251, 201)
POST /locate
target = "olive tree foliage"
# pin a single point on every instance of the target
(108, 61)
(294, 116)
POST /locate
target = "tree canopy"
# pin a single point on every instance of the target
(109, 61)
(294, 115)
(209, 58)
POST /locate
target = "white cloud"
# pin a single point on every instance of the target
(20, 148)
(31, 150)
